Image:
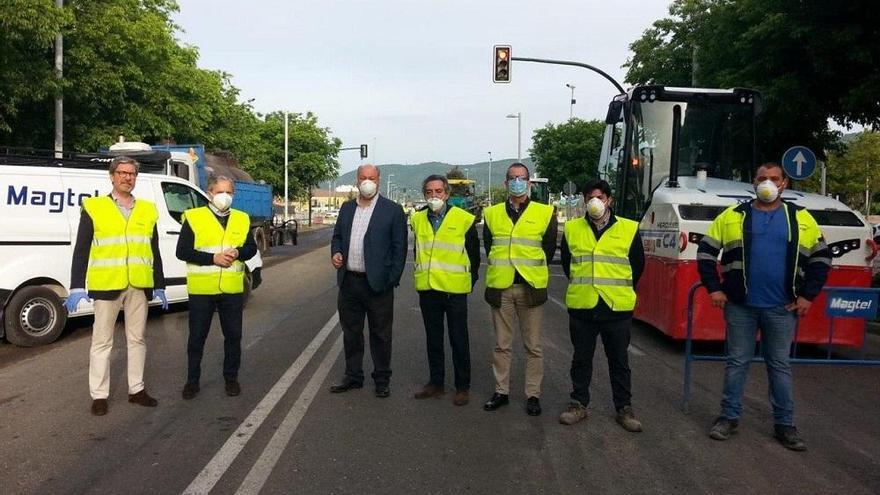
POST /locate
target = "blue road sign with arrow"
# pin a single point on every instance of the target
(799, 162)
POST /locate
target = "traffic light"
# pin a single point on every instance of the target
(363, 151)
(501, 64)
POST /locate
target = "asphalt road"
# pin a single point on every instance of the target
(286, 433)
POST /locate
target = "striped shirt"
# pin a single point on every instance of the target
(359, 224)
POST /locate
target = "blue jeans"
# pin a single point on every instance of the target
(777, 329)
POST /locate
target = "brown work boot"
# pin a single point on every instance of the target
(627, 419)
(430, 390)
(143, 399)
(575, 413)
(462, 397)
(99, 407)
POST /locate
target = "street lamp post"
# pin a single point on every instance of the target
(518, 117)
(490, 178)
(467, 173)
(388, 186)
(571, 105)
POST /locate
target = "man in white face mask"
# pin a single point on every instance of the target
(368, 250)
(215, 240)
(774, 262)
(447, 258)
(603, 258)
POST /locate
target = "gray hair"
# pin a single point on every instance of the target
(214, 179)
(378, 172)
(432, 178)
(114, 164)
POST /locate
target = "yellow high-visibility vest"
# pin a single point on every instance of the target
(600, 268)
(121, 254)
(441, 260)
(517, 247)
(211, 237)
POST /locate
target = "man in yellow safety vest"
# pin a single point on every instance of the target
(520, 239)
(603, 258)
(215, 241)
(447, 258)
(116, 262)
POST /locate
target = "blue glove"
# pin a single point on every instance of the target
(74, 298)
(160, 295)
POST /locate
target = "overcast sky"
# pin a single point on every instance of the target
(413, 79)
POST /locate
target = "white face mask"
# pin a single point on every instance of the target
(221, 201)
(368, 188)
(435, 204)
(767, 191)
(595, 208)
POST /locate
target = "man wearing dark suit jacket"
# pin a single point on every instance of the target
(368, 251)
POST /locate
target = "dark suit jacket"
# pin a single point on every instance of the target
(384, 243)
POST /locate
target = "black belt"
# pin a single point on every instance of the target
(356, 274)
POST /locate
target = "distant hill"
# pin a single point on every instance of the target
(410, 177)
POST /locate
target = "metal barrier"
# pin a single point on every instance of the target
(846, 302)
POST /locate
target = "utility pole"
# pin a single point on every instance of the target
(286, 196)
(59, 96)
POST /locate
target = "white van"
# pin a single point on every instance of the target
(39, 216)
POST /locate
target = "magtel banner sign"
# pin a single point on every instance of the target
(852, 303)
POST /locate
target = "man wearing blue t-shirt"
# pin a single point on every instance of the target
(774, 263)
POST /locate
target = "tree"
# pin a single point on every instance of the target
(312, 157)
(568, 151)
(812, 60)
(851, 170)
(27, 34)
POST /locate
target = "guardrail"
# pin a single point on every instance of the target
(842, 302)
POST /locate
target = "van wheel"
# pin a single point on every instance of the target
(34, 316)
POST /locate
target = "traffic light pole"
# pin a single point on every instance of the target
(576, 64)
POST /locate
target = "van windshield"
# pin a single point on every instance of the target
(180, 197)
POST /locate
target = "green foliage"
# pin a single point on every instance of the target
(568, 151)
(848, 171)
(312, 156)
(811, 60)
(125, 73)
(27, 35)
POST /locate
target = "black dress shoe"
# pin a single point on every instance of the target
(190, 390)
(232, 388)
(99, 407)
(383, 391)
(496, 401)
(346, 385)
(533, 406)
(142, 398)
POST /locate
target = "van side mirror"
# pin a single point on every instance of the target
(615, 110)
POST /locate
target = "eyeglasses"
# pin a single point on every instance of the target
(520, 177)
(123, 173)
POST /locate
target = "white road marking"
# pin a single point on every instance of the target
(217, 466)
(261, 470)
(632, 348)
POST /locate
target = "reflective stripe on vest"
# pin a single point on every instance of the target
(517, 247)
(600, 269)
(211, 237)
(121, 254)
(441, 260)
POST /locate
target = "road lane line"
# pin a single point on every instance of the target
(632, 348)
(217, 466)
(264, 466)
